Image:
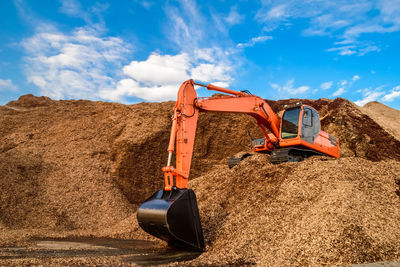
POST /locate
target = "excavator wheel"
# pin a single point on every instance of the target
(173, 216)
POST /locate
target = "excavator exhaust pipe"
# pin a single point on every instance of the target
(173, 216)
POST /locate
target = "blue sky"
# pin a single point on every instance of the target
(142, 50)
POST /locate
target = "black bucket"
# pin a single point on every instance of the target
(173, 216)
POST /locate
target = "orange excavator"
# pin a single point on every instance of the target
(172, 214)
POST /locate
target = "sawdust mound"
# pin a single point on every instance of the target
(69, 165)
(301, 214)
(55, 165)
(387, 117)
(30, 101)
(84, 166)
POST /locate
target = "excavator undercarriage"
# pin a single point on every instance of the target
(279, 155)
(289, 154)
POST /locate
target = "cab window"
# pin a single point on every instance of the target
(290, 123)
(307, 118)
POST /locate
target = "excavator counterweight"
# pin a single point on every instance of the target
(172, 214)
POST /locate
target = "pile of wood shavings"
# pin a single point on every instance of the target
(80, 168)
(315, 212)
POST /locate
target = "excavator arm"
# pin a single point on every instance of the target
(183, 130)
(184, 123)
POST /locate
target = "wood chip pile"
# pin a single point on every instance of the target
(80, 168)
(316, 212)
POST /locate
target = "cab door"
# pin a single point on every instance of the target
(310, 125)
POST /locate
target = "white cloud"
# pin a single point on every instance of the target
(234, 17)
(6, 85)
(221, 84)
(71, 8)
(324, 24)
(357, 30)
(344, 50)
(348, 21)
(255, 40)
(92, 15)
(368, 97)
(130, 87)
(73, 65)
(211, 72)
(367, 49)
(277, 12)
(202, 36)
(326, 85)
(159, 69)
(145, 3)
(339, 92)
(343, 85)
(356, 48)
(289, 88)
(87, 64)
(190, 29)
(395, 93)
(202, 54)
(186, 26)
(158, 78)
(206, 54)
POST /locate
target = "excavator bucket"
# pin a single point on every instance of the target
(174, 217)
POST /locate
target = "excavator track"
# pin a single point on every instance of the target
(291, 154)
(233, 161)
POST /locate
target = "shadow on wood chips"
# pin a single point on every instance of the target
(78, 250)
(78, 169)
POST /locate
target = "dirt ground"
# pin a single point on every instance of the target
(73, 170)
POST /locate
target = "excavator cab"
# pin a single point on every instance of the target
(302, 122)
(301, 137)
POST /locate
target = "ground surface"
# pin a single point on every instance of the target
(72, 174)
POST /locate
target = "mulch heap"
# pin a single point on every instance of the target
(80, 168)
(319, 211)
